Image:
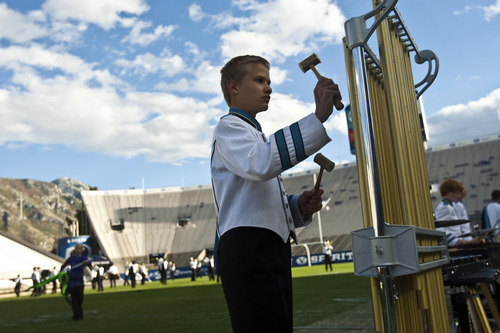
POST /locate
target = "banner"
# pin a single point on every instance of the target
(319, 258)
(67, 244)
(297, 261)
(350, 131)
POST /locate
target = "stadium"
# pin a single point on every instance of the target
(179, 222)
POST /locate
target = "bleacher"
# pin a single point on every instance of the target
(132, 224)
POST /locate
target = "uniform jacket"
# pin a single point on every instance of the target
(246, 169)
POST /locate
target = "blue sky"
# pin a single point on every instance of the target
(121, 93)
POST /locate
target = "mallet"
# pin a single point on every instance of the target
(310, 63)
(325, 164)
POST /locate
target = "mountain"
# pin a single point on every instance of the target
(40, 212)
(71, 186)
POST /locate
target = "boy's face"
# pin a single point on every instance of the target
(253, 93)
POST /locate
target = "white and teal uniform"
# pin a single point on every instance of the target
(446, 211)
(246, 168)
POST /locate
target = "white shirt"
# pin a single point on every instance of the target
(113, 270)
(246, 169)
(445, 211)
(493, 213)
(461, 211)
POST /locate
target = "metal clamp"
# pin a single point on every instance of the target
(397, 249)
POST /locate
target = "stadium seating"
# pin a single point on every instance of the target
(180, 221)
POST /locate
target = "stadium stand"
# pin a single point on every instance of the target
(19, 257)
(180, 221)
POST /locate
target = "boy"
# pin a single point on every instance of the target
(451, 191)
(255, 217)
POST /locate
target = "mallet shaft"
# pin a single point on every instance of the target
(338, 103)
(318, 180)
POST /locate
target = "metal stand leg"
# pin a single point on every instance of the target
(480, 311)
(491, 303)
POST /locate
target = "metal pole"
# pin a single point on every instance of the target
(387, 287)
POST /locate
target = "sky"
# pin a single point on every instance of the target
(125, 94)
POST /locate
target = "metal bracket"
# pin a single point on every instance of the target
(358, 35)
(396, 249)
(355, 28)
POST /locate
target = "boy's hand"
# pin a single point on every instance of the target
(310, 202)
(325, 92)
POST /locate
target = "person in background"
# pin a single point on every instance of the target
(491, 212)
(451, 191)
(460, 207)
(193, 264)
(126, 274)
(35, 277)
(143, 273)
(172, 271)
(75, 288)
(100, 278)
(113, 275)
(94, 276)
(18, 281)
(162, 267)
(328, 251)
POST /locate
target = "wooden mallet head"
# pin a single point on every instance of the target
(325, 164)
(310, 63)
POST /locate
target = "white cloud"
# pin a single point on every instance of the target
(20, 28)
(166, 64)
(268, 30)
(160, 126)
(206, 79)
(195, 13)
(286, 109)
(55, 64)
(103, 13)
(465, 121)
(137, 35)
(491, 11)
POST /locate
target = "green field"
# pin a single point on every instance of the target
(324, 302)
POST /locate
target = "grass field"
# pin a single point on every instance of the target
(324, 302)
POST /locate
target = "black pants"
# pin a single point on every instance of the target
(254, 266)
(77, 302)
